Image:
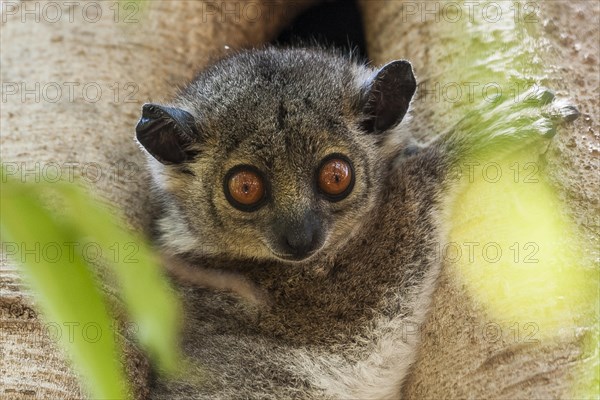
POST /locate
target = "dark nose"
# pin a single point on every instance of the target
(300, 237)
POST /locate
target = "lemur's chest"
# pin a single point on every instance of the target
(339, 294)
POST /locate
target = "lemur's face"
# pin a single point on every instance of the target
(274, 158)
(291, 194)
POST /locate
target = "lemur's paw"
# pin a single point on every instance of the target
(562, 111)
(555, 111)
(540, 96)
(534, 114)
(559, 109)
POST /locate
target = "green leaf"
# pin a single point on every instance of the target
(66, 290)
(50, 244)
(150, 302)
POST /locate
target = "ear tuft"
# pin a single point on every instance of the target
(388, 95)
(167, 133)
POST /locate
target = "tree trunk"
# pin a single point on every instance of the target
(74, 76)
(550, 43)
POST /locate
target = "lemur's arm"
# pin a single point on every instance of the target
(186, 273)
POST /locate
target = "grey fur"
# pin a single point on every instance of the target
(344, 323)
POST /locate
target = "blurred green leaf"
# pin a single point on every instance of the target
(65, 289)
(147, 295)
(47, 241)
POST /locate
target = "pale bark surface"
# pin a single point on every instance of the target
(456, 361)
(145, 53)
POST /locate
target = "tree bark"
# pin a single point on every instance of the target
(456, 360)
(74, 76)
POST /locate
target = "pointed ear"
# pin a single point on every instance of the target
(387, 96)
(167, 133)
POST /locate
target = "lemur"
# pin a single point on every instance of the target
(291, 169)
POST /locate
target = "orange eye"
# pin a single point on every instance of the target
(335, 178)
(244, 187)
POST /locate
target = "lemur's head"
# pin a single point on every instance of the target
(274, 153)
